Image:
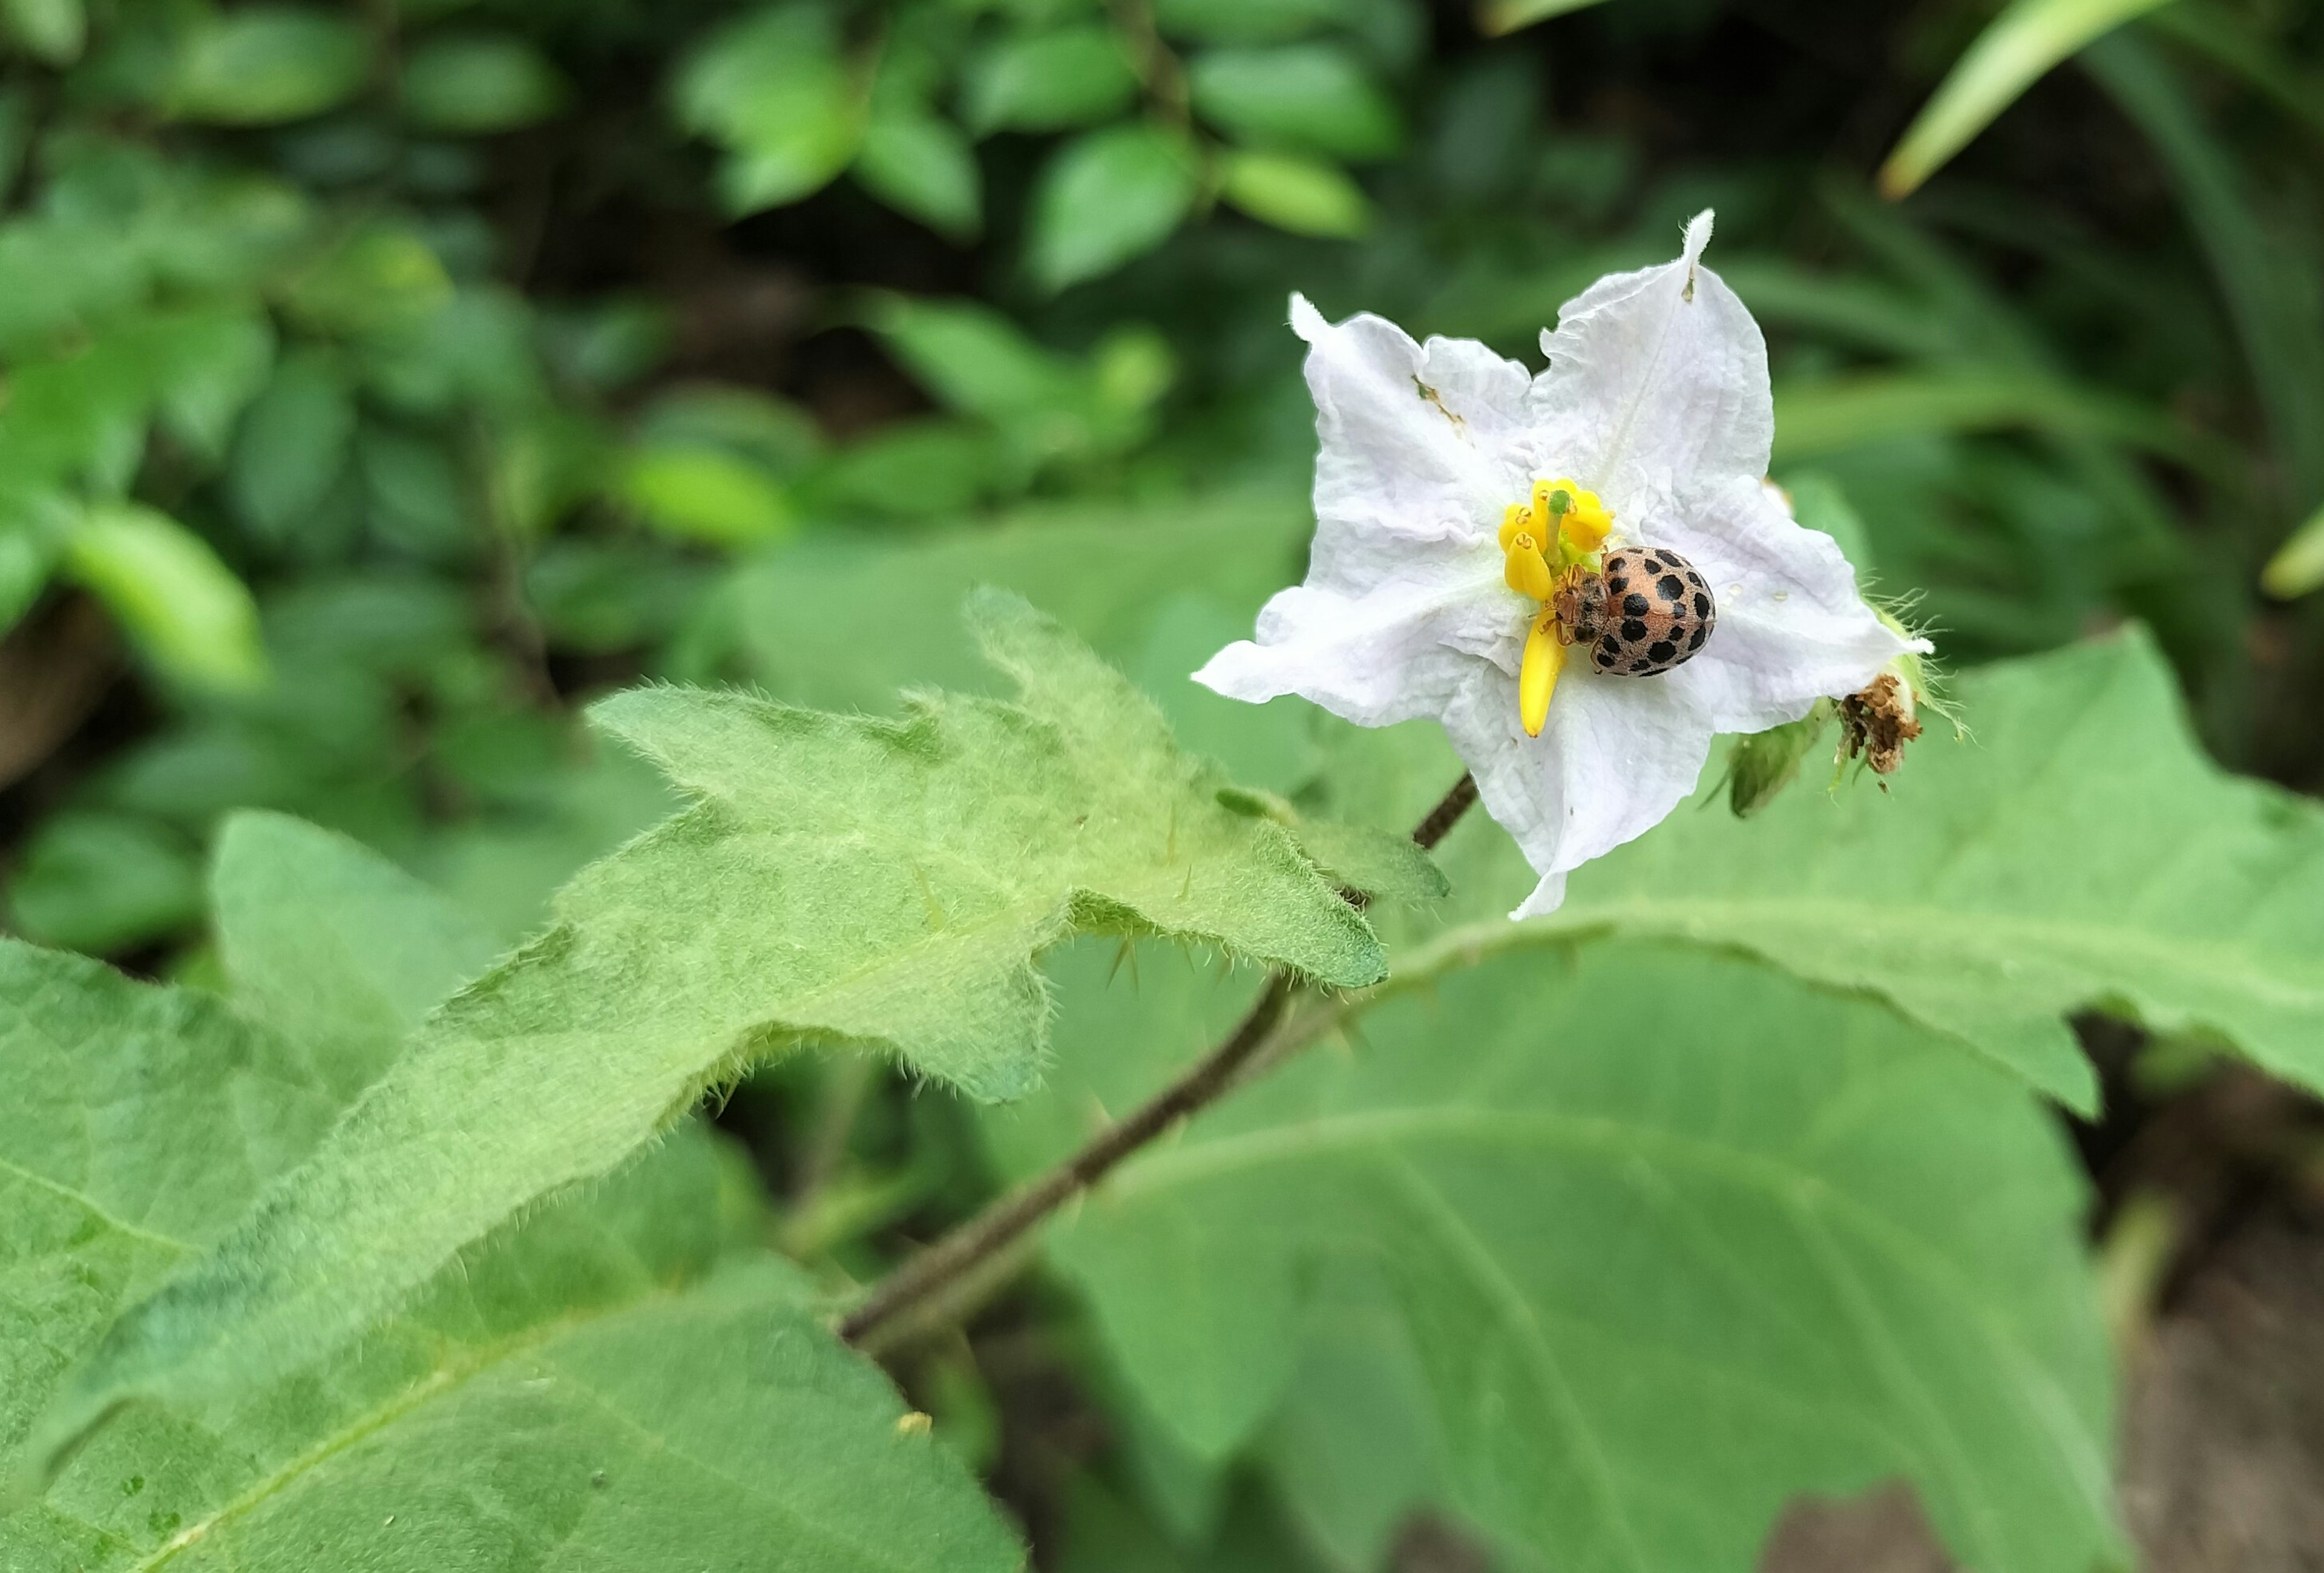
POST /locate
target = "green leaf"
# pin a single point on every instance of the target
(882, 885)
(2016, 50)
(185, 609)
(1105, 197)
(1496, 18)
(919, 163)
(381, 277)
(258, 65)
(639, 1387)
(1246, 21)
(972, 357)
(1312, 97)
(2298, 565)
(336, 948)
(1817, 418)
(705, 493)
(2079, 852)
(53, 29)
(292, 445)
(1046, 81)
(104, 882)
(1612, 1287)
(474, 83)
(1301, 195)
(773, 91)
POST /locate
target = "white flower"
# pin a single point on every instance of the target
(1655, 401)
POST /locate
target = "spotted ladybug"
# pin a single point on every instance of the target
(1647, 612)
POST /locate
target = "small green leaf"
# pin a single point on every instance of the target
(773, 91)
(471, 84)
(185, 609)
(972, 357)
(1108, 197)
(1614, 1294)
(333, 947)
(919, 163)
(1310, 96)
(700, 493)
(104, 882)
(380, 276)
(1764, 764)
(841, 879)
(2017, 49)
(292, 445)
(1047, 81)
(53, 29)
(1301, 195)
(258, 65)
(2298, 565)
(1496, 18)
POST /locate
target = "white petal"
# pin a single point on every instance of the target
(1656, 387)
(1617, 754)
(1425, 440)
(1792, 627)
(1384, 629)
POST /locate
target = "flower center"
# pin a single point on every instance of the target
(1545, 542)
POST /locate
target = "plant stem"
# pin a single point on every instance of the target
(962, 1251)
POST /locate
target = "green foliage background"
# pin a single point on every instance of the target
(413, 416)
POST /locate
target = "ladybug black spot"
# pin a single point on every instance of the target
(1672, 587)
(1638, 666)
(1634, 630)
(1662, 653)
(1611, 645)
(1634, 605)
(1616, 583)
(1701, 605)
(1695, 643)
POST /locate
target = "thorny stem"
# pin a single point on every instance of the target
(967, 1249)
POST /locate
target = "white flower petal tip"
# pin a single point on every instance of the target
(1442, 468)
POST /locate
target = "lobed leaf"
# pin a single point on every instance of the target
(881, 883)
(1611, 1257)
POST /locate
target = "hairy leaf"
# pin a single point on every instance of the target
(629, 1381)
(2076, 851)
(882, 883)
(1609, 1258)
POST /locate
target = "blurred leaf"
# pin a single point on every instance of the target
(209, 365)
(927, 471)
(418, 499)
(780, 437)
(258, 65)
(1497, 17)
(1629, 1292)
(838, 878)
(705, 493)
(1311, 97)
(1303, 196)
(2081, 853)
(2298, 566)
(2229, 39)
(1247, 21)
(184, 610)
(922, 164)
(1046, 81)
(471, 84)
(380, 276)
(773, 89)
(639, 1386)
(972, 357)
(28, 554)
(292, 445)
(2266, 277)
(1815, 419)
(103, 882)
(1105, 197)
(1764, 764)
(52, 30)
(2017, 49)
(600, 596)
(332, 945)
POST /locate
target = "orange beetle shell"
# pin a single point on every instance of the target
(1647, 612)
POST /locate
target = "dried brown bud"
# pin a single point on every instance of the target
(1878, 721)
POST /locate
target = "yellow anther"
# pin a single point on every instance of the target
(1545, 658)
(1526, 572)
(1550, 499)
(1514, 518)
(1586, 525)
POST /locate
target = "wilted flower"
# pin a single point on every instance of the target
(1456, 497)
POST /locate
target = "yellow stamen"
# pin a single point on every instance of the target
(1527, 572)
(1514, 518)
(1586, 525)
(1545, 658)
